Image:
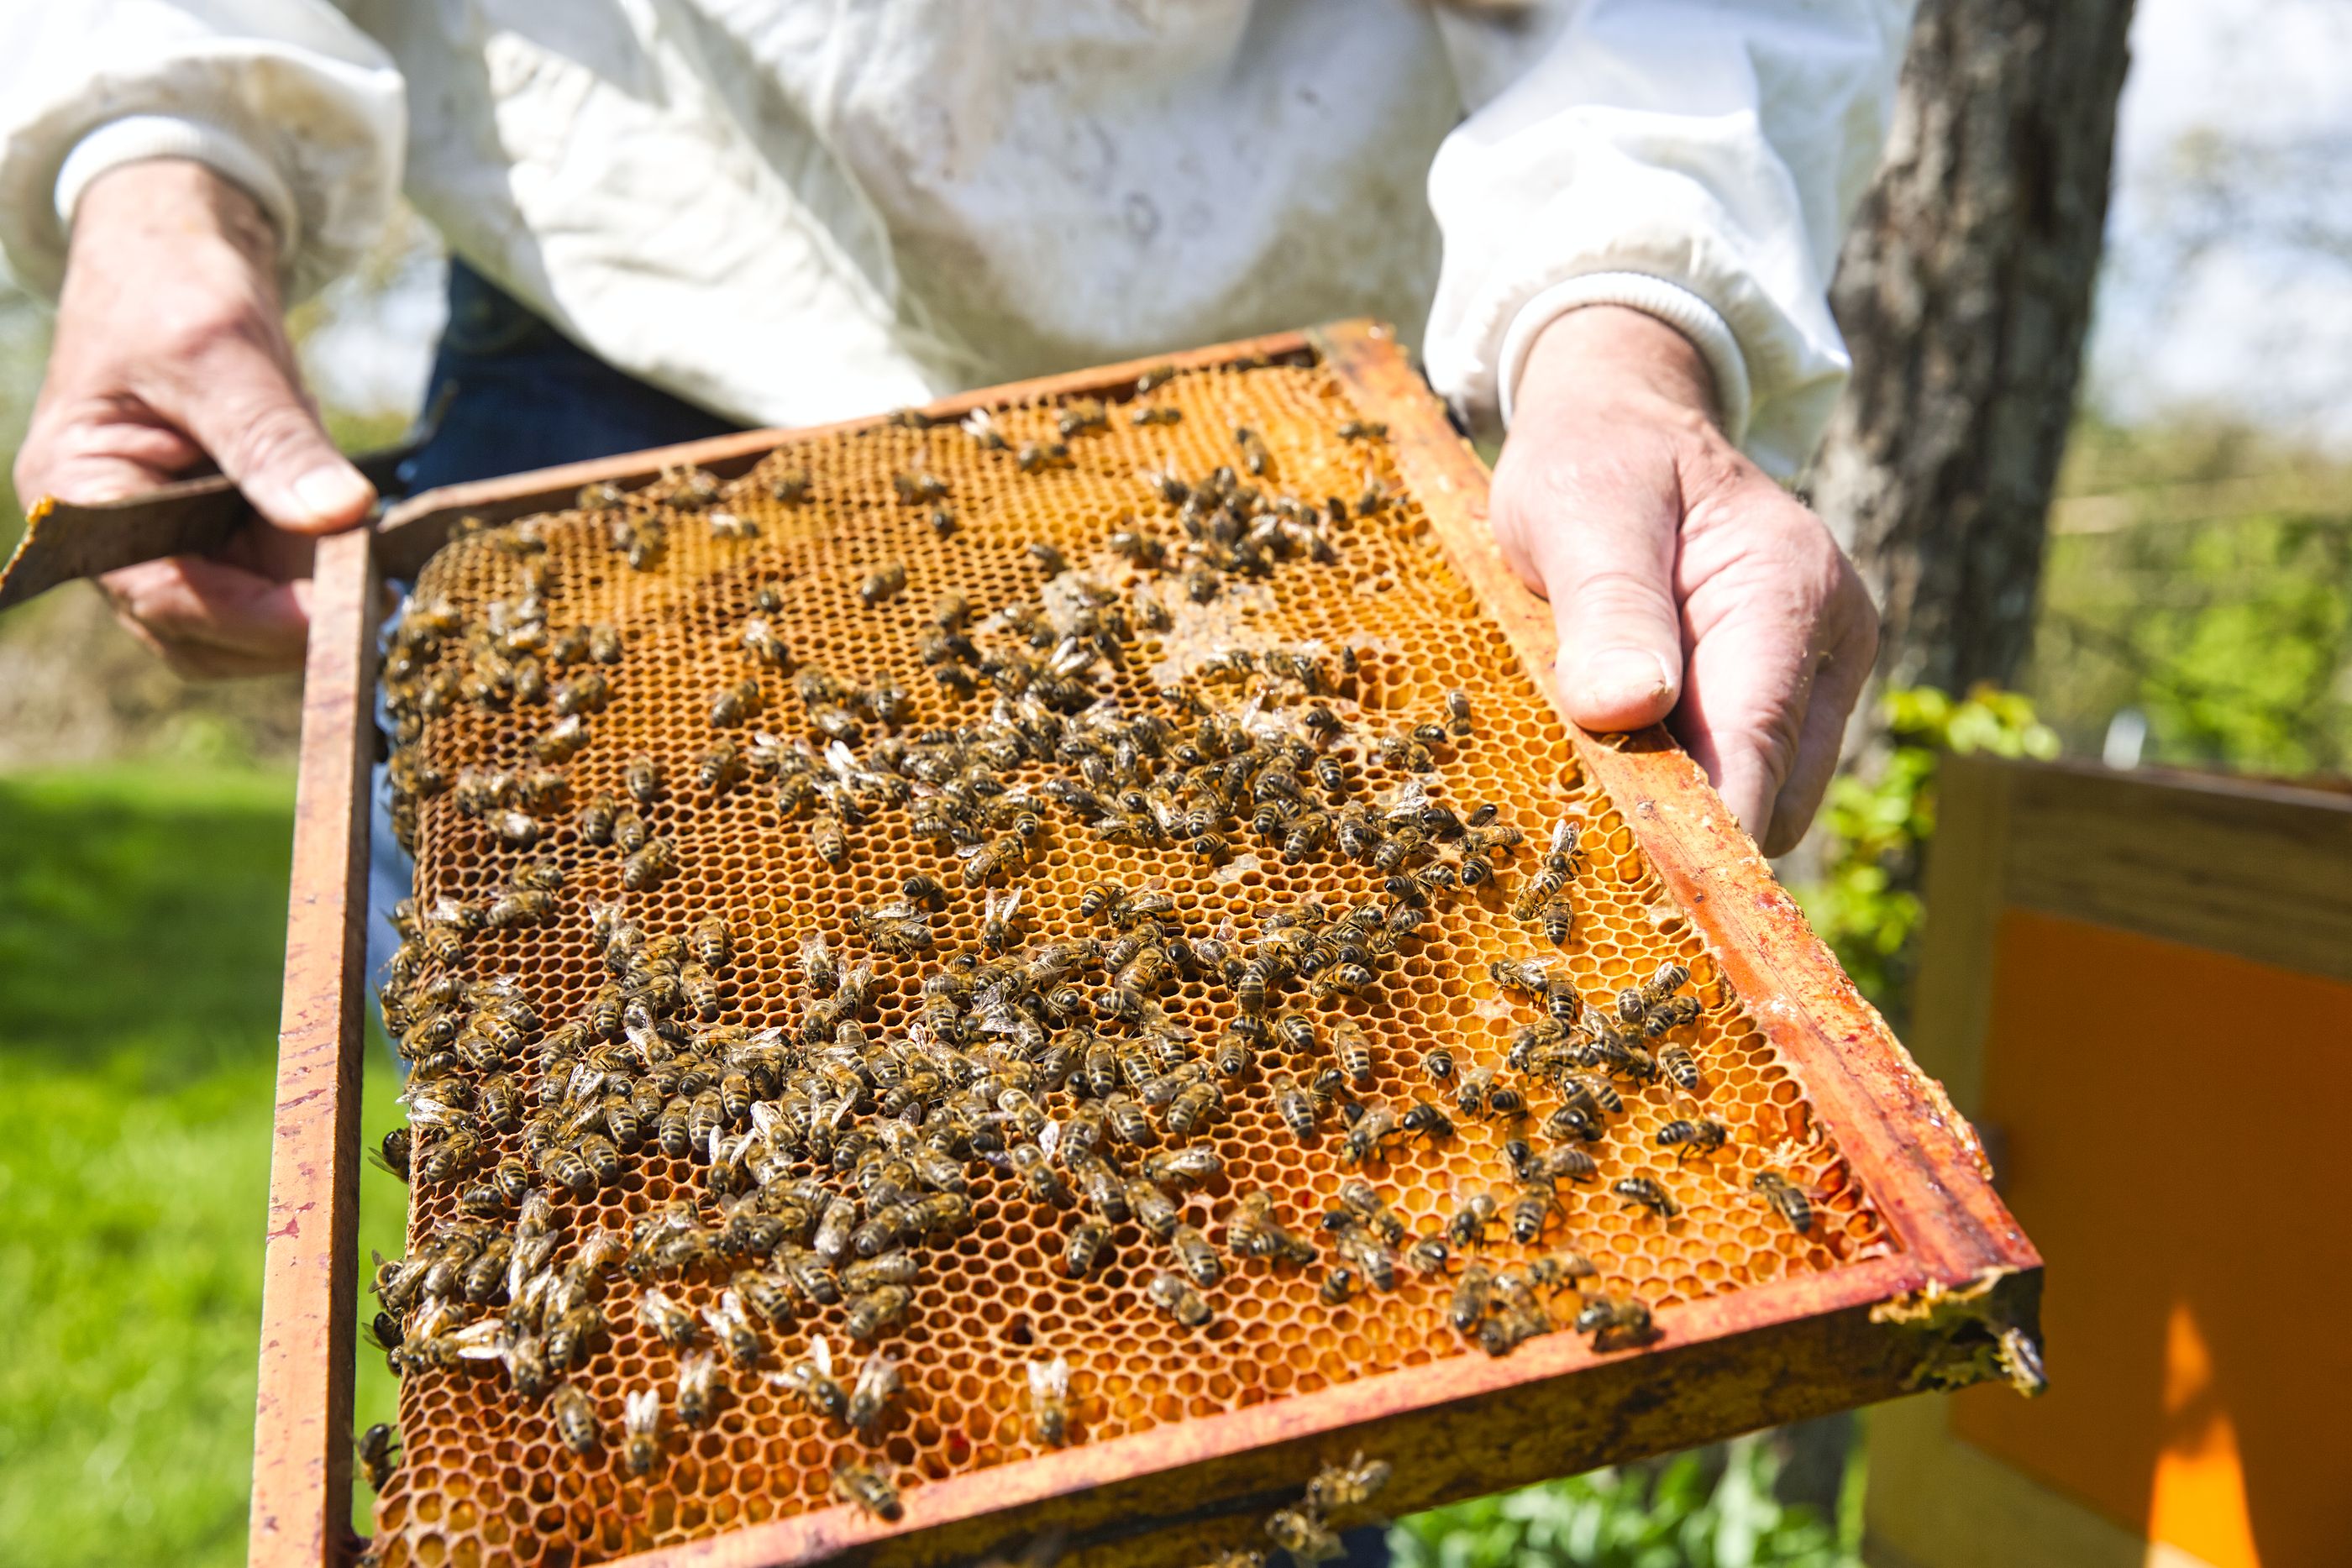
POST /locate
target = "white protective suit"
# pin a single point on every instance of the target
(791, 211)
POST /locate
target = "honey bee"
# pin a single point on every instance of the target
(1694, 1136)
(812, 1379)
(641, 1420)
(1373, 1259)
(1049, 1401)
(1574, 1120)
(649, 866)
(1045, 1184)
(868, 1315)
(1531, 1211)
(575, 1419)
(1371, 1132)
(1037, 457)
(1190, 1167)
(888, 1269)
(942, 521)
(1173, 1294)
(1352, 1485)
(1198, 1258)
(1083, 1247)
(1083, 414)
(1512, 1327)
(561, 741)
(867, 1488)
(671, 1323)
(789, 486)
(1253, 1231)
(763, 1296)
(1302, 1532)
(1562, 1162)
(827, 839)
(1615, 1323)
(916, 489)
(1557, 916)
(1787, 1199)
(996, 923)
(697, 1388)
(393, 1154)
(1558, 1270)
(1128, 1124)
(1672, 1014)
(1294, 1106)
(604, 644)
(1640, 1192)
(883, 584)
(379, 1452)
(760, 640)
(718, 766)
(731, 1326)
(1339, 1287)
(1472, 1293)
(1481, 1091)
(1471, 1220)
(878, 1382)
(1152, 1208)
(1255, 458)
(818, 964)
(1233, 1058)
(517, 828)
(630, 832)
(1354, 1051)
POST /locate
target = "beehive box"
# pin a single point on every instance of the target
(1909, 1274)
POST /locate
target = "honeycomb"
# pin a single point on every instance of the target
(485, 1474)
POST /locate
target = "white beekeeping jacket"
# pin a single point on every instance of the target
(791, 211)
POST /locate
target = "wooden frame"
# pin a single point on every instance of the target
(1927, 1314)
(2085, 868)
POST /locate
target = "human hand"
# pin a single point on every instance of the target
(170, 349)
(1687, 585)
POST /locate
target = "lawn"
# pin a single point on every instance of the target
(142, 926)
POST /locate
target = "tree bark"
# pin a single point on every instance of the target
(1964, 289)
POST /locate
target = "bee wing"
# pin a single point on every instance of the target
(1050, 1379)
(641, 1412)
(1563, 836)
(880, 1374)
(1050, 1139)
(696, 1367)
(483, 1340)
(821, 1353)
(654, 1305)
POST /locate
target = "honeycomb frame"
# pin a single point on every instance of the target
(1830, 1336)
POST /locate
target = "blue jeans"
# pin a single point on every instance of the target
(528, 397)
(521, 395)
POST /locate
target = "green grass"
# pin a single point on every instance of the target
(141, 927)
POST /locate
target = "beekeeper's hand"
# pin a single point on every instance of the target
(1685, 584)
(170, 349)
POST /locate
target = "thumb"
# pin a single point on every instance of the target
(250, 415)
(1608, 568)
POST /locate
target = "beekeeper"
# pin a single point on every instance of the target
(1609, 225)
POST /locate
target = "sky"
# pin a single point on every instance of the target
(2251, 325)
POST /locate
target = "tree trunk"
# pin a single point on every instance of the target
(1964, 289)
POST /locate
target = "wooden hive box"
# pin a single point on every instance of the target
(1912, 1276)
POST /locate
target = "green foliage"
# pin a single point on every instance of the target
(2204, 580)
(1867, 906)
(1663, 1516)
